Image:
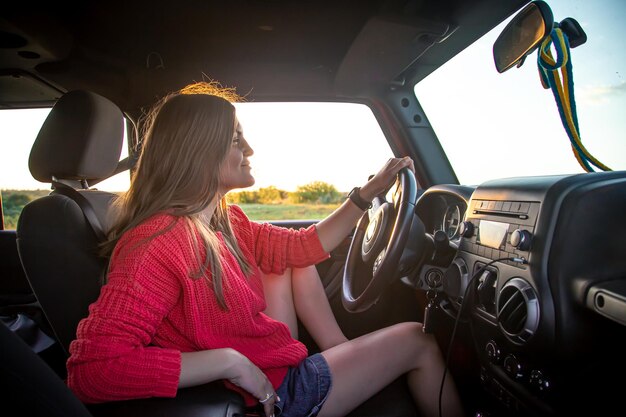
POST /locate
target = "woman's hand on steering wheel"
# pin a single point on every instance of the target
(375, 258)
(385, 177)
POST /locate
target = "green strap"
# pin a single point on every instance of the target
(563, 90)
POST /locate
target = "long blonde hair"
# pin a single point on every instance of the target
(186, 138)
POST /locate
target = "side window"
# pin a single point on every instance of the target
(18, 131)
(307, 157)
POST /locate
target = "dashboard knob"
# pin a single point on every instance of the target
(440, 238)
(493, 352)
(520, 239)
(513, 367)
(466, 229)
(538, 381)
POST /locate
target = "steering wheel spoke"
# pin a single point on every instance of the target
(377, 202)
(378, 261)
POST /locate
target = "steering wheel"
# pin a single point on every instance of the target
(375, 255)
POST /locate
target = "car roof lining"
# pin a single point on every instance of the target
(308, 50)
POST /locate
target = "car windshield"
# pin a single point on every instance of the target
(494, 125)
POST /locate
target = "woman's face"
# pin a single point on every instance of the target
(235, 171)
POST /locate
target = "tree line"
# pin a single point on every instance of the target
(14, 200)
(316, 192)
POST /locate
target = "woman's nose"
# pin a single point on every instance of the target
(247, 149)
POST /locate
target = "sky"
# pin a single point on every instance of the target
(291, 145)
(507, 125)
(491, 125)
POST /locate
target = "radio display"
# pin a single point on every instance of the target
(492, 234)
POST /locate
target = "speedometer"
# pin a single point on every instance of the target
(451, 221)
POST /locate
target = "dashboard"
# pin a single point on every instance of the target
(442, 208)
(452, 220)
(539, 263)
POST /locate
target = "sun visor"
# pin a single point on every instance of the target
(384, 49)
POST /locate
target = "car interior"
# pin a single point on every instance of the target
(522, 280)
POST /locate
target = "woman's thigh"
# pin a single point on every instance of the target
(279, 299)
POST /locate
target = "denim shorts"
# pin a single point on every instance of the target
(305, 388)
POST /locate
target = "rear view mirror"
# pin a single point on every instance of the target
(522, 35)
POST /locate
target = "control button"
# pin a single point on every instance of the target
(523, 208)
(539, 382)
(466, 229)
(513, 367)
(520, 239)
(493, 352)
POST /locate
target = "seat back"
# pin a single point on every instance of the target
(29, 386)
(58, 247)
(19, 309)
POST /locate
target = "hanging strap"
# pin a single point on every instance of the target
(85, 206)
(563, 90)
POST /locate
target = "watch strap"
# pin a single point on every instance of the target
(356, 198)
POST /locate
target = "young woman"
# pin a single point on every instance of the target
(197, 292)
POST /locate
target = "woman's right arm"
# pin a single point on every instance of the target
(209, 365)
(113, 356)
(204, 366)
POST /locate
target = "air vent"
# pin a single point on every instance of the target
(518, 310)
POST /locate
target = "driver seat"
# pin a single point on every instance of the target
(58, 237)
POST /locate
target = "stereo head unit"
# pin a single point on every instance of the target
(501, 229)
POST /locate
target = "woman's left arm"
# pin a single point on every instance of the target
(276, 248)
(334, 228)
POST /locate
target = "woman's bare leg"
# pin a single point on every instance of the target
(279, 299)
(298, 294)
(363, 366)
(313, 309)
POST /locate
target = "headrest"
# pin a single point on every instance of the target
(81, 139)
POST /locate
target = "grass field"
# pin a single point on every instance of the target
(288, 211)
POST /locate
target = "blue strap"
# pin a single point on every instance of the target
(564, 92)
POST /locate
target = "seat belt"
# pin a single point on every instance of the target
(85, 206)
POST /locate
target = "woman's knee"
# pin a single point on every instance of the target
(412, 335)
(307, 271)
(408, 329)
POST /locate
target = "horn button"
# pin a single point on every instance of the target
(376, 234)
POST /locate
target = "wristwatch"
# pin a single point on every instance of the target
(358, 200)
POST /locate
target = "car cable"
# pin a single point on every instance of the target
(460, 312)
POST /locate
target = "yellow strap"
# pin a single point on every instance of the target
(564, 96)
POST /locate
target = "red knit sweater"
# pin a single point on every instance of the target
(151, 310)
